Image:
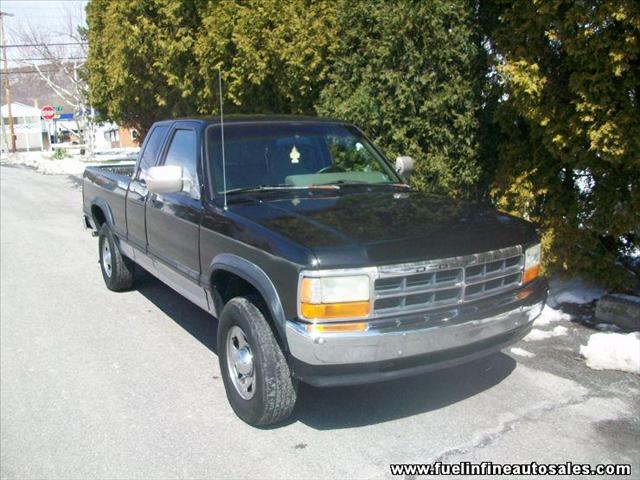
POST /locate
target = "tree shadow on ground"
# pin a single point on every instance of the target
(347, 407)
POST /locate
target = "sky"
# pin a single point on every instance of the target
(50, 15)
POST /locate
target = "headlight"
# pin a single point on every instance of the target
(334, 297)
(532, 258)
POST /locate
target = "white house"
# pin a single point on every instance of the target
(30, 129)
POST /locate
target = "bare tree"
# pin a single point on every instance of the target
(58, 57)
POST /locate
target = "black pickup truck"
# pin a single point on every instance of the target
(318, 260)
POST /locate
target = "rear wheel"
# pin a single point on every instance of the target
(117, 270)
(256, 376)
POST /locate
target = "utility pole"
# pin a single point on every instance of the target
(6, 80)
(3, 135)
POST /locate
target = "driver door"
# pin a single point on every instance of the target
(173, 219)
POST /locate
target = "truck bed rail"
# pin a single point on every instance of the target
(118, 168)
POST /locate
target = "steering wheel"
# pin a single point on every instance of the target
(331, 169)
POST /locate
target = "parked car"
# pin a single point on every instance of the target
(319, 261)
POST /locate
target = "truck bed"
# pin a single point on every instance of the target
(110, 183)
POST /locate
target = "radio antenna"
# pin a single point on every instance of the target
(224, 170)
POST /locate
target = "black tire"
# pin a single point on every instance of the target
(274, 390)
(120, 275)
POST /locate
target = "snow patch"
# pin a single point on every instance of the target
(124, 153)
(71, 165)
(613, 351)
(67, 166)
(572, 291)
(549, 315)
(522, 352)
(537, 334)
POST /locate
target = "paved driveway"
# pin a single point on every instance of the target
(127, 385)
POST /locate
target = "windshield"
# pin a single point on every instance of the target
(294, 155)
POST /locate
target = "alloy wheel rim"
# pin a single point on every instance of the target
(240, 362)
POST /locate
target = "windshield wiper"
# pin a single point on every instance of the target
(266, 188)
(347, 183)
(350, 182)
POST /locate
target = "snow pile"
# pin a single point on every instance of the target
(572, 291)
(43, 163)
(549, 315)
(537, 334)
(71, 165)
(22, 158)
(522, 352)
(67, 166)
(124, 153)
(613, 351)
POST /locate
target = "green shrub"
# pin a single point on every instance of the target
(59, 154)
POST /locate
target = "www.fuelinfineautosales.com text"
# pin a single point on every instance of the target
(490, 468)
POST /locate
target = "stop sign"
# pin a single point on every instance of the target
(48, 112)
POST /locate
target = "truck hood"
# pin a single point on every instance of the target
(386, 227)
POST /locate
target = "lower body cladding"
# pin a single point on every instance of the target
(414, 343)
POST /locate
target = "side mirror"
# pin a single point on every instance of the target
(404, 166)
(164, 179)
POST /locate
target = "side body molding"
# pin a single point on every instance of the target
(254, 275)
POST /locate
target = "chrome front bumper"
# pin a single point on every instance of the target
(321, 349)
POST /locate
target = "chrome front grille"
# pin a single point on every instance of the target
(449, 281)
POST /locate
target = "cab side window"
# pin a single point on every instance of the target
(183, 153)
(152, 149)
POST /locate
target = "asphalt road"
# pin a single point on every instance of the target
(96, 384)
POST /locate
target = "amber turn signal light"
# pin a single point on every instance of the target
(531, 274)
(334, 310)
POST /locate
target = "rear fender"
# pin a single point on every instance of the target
(104, 206)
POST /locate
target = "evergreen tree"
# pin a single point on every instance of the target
(538, 100)
(273, 54)
(404, 71)
(141, 65)
(570, 158)
(158, 59)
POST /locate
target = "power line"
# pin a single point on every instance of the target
(13, 59)
(24, 45)
(26, 72)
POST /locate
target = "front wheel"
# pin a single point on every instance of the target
(256, 376)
